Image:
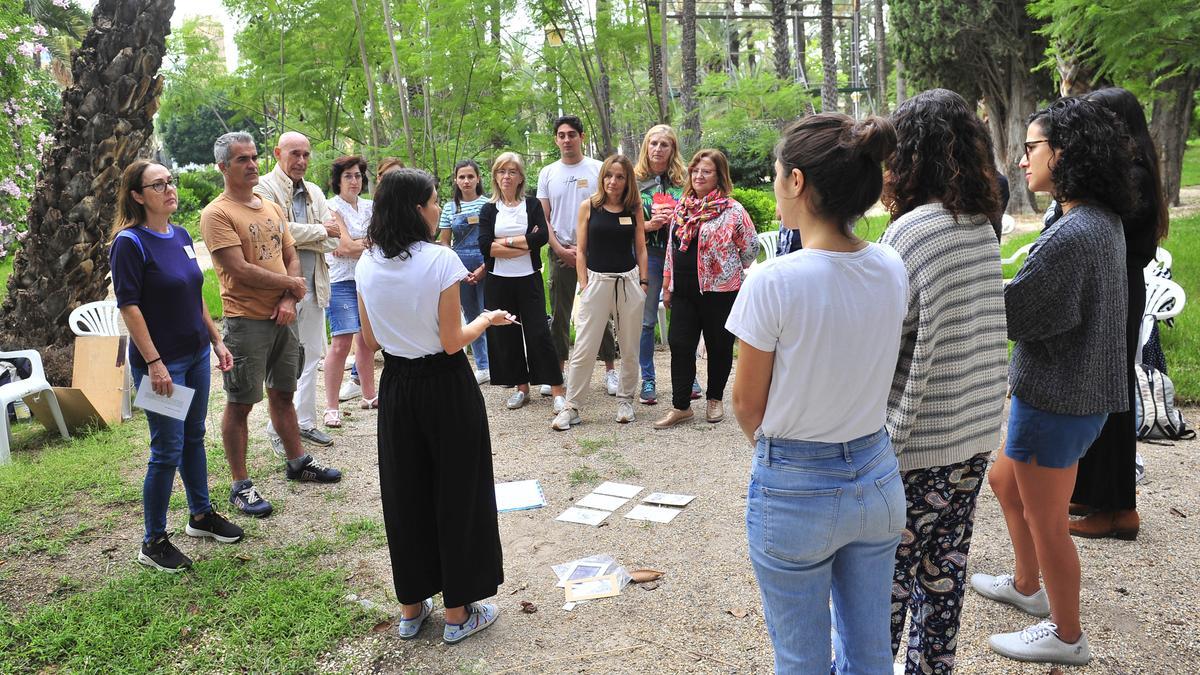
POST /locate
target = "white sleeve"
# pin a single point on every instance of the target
(451, 270)
(543, 184)
(755, 317)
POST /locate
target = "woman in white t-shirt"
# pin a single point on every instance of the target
(819, 336)
(352, 214)
(435, 453)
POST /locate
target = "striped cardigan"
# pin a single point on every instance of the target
(947, 398)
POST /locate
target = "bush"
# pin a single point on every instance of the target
(760, 205)
(205, 184)
(188, 201)
(748, 148)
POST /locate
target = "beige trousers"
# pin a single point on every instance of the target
(607, 294)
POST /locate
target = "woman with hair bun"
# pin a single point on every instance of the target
(1066, 312)
(820, 331)
(947, 397)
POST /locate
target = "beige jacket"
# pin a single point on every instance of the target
(311, 236)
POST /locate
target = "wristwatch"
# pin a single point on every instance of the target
(508, 242)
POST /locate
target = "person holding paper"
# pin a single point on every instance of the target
(435, 451)
(157, 283)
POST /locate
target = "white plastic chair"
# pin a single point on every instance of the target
(1161, 265)
(104, 318)
(768, 243)
(1017, 254)
(15, 391)
(1007, 225)
(1164, 300)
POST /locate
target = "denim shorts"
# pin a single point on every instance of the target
(342, 311)
(1055, 440)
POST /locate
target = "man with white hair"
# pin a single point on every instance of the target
(313, 227)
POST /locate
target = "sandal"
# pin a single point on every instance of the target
(333, 418)
(370, 403)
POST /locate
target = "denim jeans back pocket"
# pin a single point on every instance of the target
(891, 489)
(797, 525)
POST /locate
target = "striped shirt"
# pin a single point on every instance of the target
(947, 399)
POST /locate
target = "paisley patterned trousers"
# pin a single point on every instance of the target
(931, 562)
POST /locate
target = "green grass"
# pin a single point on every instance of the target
(269, 611)
(212, 294)
(368, 529)
(1182, 343)
(584, 475)
(1191, 164)
(6, 267)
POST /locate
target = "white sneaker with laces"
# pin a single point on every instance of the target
(625, 412)
(483, 376)
(349, 391)
(560, 404)
(1001, 589)
(546, 390)
(611, 382)
(565, 419)
(517, 400)
(1040, 643)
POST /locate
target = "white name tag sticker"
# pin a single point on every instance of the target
(473, 220)
(625, 220)
(191, 252)
(582, 183)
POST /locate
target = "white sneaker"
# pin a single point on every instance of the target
(546, 390)
(611, 382)
(1001, 589)
(560, 404)
(483, 376)
(517, 400)
(565, 419)
(625, 412)
(1040, 643)
(349, 391)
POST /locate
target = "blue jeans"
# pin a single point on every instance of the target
(177, 444)
(822, 518)
(472, 305)
(654, 264)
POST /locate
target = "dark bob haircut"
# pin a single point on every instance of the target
(1151, 201)
(840, 159)
(396, 223)
(339, 167)
(944, 153)
(1095, 154)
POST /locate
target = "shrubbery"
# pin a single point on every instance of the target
(760, 204)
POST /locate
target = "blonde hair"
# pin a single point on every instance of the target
(503, 159)
(676, 171)
(632, 199)
(724, 184)
(129, 213)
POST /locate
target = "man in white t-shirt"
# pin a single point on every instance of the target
(561, 188)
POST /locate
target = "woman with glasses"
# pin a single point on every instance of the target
(512, 232)
(711, 242)
(348, 175)
(158, 283)
(1066, 312)
(459, 228)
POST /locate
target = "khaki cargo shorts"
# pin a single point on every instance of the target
(263, 352)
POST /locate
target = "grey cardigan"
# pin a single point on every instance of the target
(1066, 311)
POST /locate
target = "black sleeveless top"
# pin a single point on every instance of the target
(610, 241)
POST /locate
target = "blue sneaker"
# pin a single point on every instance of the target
(696, 390)
(408, 628)
(649, 395)
(245, 497)
(482, 616)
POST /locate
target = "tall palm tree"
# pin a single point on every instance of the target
(828, 59)
(880, 59)
(691, 108)
(779, 38)
(105, 123)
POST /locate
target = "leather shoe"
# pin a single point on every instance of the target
(715, 411)
(674, 417)
(1077, 509)
(1115, 524)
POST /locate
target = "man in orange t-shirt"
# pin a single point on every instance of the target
(259, 272)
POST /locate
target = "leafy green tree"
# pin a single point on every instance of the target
(189, 138)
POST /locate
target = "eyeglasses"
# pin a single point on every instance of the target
(508, 172)
(160, 186)
(704, 173)
(1029, 145)
(352, 176)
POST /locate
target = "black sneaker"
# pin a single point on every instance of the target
(248, 501)
(316, 437)
(162, 555)
(216, 526)
(314, 471)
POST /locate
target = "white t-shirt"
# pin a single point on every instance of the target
(357, 221)
(834, 322)
(512, 221)
(402, 296)
(566, 186)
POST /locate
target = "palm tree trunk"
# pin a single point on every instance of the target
(691, 109)
(63, 261)
(880, 60)
(401, 89)
(779, 38)
(656, 64)
(828, 59)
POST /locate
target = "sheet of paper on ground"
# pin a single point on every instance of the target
(519, 496)
(584, 516)
(658, 514)
(618, 489)
(668, 499)
(601, 502)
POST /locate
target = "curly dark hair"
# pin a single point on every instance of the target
(396, 223)
(1095, 154)
(944, 153)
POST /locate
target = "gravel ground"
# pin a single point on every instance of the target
(1139, 598)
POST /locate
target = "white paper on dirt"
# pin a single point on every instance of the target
(668, 499)
(175, 406)
(584, 516)
(519, 496)
(618, 489)
(601, 502)
(656, 514)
